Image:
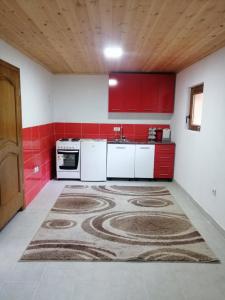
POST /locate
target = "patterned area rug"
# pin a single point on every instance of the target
(117, 223)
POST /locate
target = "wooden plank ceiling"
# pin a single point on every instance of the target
(68, 36)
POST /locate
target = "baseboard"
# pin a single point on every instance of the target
(202, 211)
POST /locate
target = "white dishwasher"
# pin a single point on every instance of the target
(120, 160)
(144, 161)
(93, 159)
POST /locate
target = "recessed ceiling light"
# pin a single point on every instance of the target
(113, 52)
(112, 82)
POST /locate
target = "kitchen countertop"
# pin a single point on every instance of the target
(141, 142)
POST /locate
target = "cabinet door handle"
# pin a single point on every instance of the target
(144, 147)
(120, 147)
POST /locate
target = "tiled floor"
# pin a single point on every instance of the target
(117, 281)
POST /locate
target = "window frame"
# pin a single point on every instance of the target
(198, 89)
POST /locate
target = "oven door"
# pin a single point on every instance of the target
(68, 160)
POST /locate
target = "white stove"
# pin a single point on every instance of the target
(68, 158)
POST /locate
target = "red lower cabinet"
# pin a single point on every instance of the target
(164, 161)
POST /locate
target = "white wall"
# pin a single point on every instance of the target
(66, 98)
(84, 98)
(200, 156)
(35, 87)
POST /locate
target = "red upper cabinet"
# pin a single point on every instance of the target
(149, 93)
(143, 92)
(166, 93)
(116, 93)
(131, 92)
(125, 95)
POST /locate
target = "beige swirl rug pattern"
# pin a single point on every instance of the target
(117, 223)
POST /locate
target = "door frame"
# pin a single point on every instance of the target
(15, 69)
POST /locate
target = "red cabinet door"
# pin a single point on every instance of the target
(150, 93)
(131, 92)
(166, 93)
(116, 94)
(164, 161)
(125, 95)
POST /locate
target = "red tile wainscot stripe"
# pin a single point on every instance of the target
(102, 130)
(38, 146)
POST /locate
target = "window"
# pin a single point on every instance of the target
(196, 101)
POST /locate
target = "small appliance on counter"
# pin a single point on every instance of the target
(93, 159)
(152, 134)
(68, 158)
(158, 135)
(166, 136)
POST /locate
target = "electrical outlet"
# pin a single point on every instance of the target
(116, 129)
(36, 169)
(214, 191)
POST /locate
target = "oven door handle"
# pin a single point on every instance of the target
(67, 151)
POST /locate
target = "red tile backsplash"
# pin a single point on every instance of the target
(97, 130)
(129, 131)
(73, 128)
(90, 130)
(59, 128)
(106, 128)
(39, 147)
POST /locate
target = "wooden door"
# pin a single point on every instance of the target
(11, 175)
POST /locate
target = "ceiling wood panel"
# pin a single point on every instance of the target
(68, 36)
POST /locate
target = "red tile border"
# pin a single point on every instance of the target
(59, 128)
(90, 129)
(102, 130)
(38, 144)
(73, 128)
